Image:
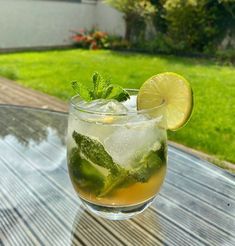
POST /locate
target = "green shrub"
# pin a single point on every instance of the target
(160, 44)
(118, 43)
(194, 25)
(190, 24)
(226, 56)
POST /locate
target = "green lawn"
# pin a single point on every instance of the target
(212, 127)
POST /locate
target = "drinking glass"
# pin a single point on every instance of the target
(117, 155)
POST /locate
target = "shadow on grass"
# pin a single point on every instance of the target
(170, 59)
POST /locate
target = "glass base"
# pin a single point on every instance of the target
(117, 213)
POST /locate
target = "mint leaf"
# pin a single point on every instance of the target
(149, 164)
(115, 92)
(99, 85)
(102, 89)
(84, 174)
(112, 182)
(94, 151)
(82, 90)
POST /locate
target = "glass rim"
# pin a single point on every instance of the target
(97, 112)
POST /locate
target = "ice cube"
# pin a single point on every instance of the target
(106, 106)
(131, 103)
(130, 142)
(95, 124)
(90, 127)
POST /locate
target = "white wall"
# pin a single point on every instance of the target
(110, 20)
(38, 23)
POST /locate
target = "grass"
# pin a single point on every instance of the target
(212, 126)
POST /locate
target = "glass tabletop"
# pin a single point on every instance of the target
(38, 206)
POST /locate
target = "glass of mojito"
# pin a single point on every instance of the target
(117, 152)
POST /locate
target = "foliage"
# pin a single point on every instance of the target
(143, 8)
(190, 24)
(136, 15)
(160, 44)
(181, 27)
(226, 56)
(95, 39)
(195, 25)
(212, 126)
(92, 39)
(158, 19)
(118, 43)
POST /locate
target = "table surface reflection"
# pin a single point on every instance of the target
(38, 206)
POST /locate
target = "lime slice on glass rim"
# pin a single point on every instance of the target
(175, 91)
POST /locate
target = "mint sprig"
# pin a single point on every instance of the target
(90, 151)
(102, 88)
(83, 92)
(94, 151)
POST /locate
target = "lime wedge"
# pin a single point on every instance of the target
(175, 91)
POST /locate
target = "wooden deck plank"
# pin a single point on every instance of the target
(15, 94)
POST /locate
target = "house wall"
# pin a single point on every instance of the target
(108, 19)
(39, 23)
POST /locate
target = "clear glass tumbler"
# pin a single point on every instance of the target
(117, 156)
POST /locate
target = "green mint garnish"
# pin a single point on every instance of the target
(102, 88)
(84, 173)
(149, 163)
(147, 166)
(82, 91)
(91, 152)
(94, 151)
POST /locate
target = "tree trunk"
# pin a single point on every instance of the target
(128, 30)
(134, 26)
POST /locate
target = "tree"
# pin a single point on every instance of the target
(159, 21)
(136, 14)
(198, 25)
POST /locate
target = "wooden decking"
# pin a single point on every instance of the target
(195, 206)
(13, 93)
